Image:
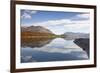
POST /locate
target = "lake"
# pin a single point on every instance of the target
(56, 49)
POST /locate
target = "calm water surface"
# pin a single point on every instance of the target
(57, 49)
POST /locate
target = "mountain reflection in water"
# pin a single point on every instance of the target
(35, 42)
(50, 49)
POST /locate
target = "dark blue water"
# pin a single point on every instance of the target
(57, 49)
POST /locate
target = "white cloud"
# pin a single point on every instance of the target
(78, 28)
(33, 12)
(82, 16)
(53, 22)
(87, 15)
(63, 22)
(80, 23)
(28, 14)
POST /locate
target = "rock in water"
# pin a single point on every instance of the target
(83, 43)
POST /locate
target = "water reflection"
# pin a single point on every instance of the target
(35, 42)
(56, 49)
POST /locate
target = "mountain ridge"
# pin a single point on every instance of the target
(35, 29)
(73, 35)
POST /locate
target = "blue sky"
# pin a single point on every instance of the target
(58, 22)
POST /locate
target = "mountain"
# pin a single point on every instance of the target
(35, 31)
(71, 35)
